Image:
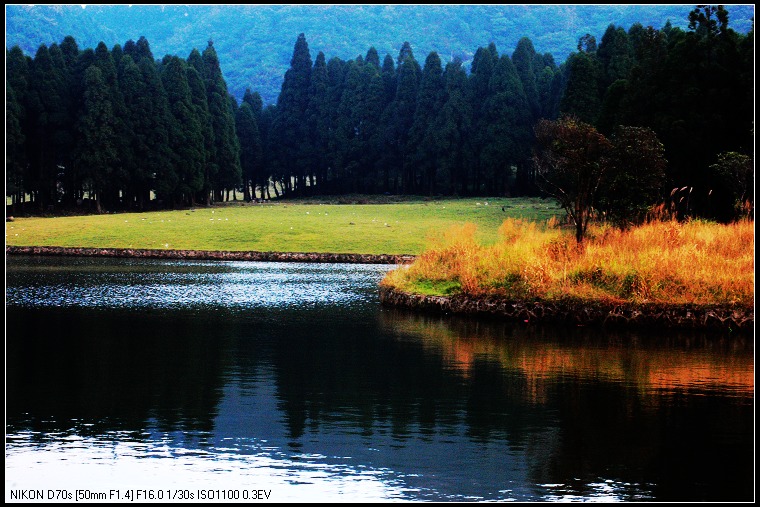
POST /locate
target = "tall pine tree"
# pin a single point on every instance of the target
(524, 58)
(226, 154)
(422, 131)
(479, 92)
(453, 126)
(15, 158)
(288, 128)
(155, 120)
(197, 85)
(250, 148)
(508, 132)
(46, 110)
(318, 120)
(97, 151)
(179, 182)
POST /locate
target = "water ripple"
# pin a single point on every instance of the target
(191, 284)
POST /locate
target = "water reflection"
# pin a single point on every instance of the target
(211, 373)
(649, 411)
(656, 364)
(123, 464)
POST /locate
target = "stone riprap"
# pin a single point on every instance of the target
(212, 255)
(579, 313)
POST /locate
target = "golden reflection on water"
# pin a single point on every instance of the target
(655, 366)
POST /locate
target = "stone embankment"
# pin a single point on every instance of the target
(579, 313)
(211, 255)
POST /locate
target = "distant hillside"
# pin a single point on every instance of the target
(255, 42)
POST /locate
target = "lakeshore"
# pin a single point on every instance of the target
(566, 311)
(141, 253)
(578, 313)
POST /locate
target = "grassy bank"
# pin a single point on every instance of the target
(382, 225)
(661, 262)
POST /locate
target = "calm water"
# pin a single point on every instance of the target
(232, 378)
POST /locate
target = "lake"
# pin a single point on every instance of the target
(234, 381)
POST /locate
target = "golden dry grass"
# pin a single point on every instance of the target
(667, 262)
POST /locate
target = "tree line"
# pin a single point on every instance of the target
(116, 127)
(126, 131)
(694, 89)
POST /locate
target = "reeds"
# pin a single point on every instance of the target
(693, 262)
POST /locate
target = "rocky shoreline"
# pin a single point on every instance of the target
(578, 313)
(212, 255)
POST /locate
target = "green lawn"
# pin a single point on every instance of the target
(283, 226)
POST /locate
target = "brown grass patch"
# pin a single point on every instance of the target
(668, 262)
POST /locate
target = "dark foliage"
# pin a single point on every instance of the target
(142, 133)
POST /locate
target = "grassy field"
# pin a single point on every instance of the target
(382, 226)
(665, 262)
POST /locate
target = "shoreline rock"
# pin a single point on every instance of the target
(349, 258)
(577, 313)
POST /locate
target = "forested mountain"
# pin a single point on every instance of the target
(670, 111)
(254, 42)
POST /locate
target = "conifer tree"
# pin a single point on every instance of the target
(227, 147)
(70, 51)
(388, 72)
(290, 119)
(17, 80)
(581, 97)
(336, 73)
(359, 114)
(73, 174)
(63, 134)
(547, 73)
(130, 48)
(509, 121)
(119, 174)
(399, 115)
(615, 55)
(259, 181)
(373, 58)
(404, 53)
(17, 73)
(97, 151)
(142, 49)
(179, 182)
(15, 158)
(155, 120)
(254, 100)
(453, 125)
(197, 84)
(422, 133)
(133, 90)
(372, 108)
(386, 163)
(45, 107)
(318, 118)
(480, 75)
(346, 143)
(523, 59)
(116, 53)
(250, 148)
(266, 185)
